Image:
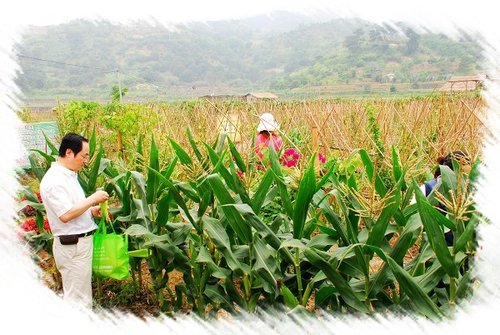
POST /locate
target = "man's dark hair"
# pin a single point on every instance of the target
(71, 141)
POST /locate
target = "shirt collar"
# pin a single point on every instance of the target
(63, 169)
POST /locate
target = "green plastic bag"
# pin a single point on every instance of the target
(110, 258)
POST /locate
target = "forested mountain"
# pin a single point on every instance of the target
(281, 52)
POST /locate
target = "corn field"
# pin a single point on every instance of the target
(352, 235)
(421, 128)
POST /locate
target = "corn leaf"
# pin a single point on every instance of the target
(448, 179)
(36, 168)
(417, 296)
(94, 172)
(218, 163)
(259, 196)
(280, 181)
(213, 292)
(152, 181)
(466, 236)
(405, 242)
(263, 230)
(334, 220)
(216, 271)
(240, 227)
(288, 297)
(390, 206)
(323, 294)
(139, 157)
(220, 238)
(232, 292)
(178, 199)
(397, 170)
(307, 188)
(53, 150)
(184, 158)
(236, 155)
(265, 266)
(431, 219)
(370, 171)
(343, 287)
(196, 151)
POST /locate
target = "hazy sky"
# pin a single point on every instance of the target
(58, 11)
(442, 15)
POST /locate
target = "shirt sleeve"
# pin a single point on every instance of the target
(278, 143)
(260, 143)
(413, 199)
(422, 188)
(58, 198)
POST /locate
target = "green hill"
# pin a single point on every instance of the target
(289, 54)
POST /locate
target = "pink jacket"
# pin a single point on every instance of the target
(262, 141)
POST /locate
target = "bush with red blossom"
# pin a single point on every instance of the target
(46, 226)
(290, 157)
(29, 225)
(321, 158)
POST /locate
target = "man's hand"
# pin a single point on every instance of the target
(96, 211)
(99, 196)
(89, 202)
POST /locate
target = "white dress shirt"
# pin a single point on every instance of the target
(60, 191)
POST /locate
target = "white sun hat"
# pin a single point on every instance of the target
(267, 122)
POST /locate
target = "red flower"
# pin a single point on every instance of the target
(46, 225)
(290, 157)
(29, 225)
(322, 158)
(240, 173)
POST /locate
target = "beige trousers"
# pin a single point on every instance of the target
(74, 262)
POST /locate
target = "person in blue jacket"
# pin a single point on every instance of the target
(429, 185)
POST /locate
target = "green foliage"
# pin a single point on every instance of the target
(78, 116)
(218, 233)
(376, 136)
(374, 129)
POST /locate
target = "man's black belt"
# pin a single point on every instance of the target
(86, 234)
(73, 239)
(80, 235)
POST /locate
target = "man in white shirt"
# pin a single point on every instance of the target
(70, 215)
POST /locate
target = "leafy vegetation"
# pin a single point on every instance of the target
(343, 236)
(342, 242)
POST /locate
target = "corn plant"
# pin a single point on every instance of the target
(454, 191)
(343, 239)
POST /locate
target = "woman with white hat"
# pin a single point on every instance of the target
(267, 134)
